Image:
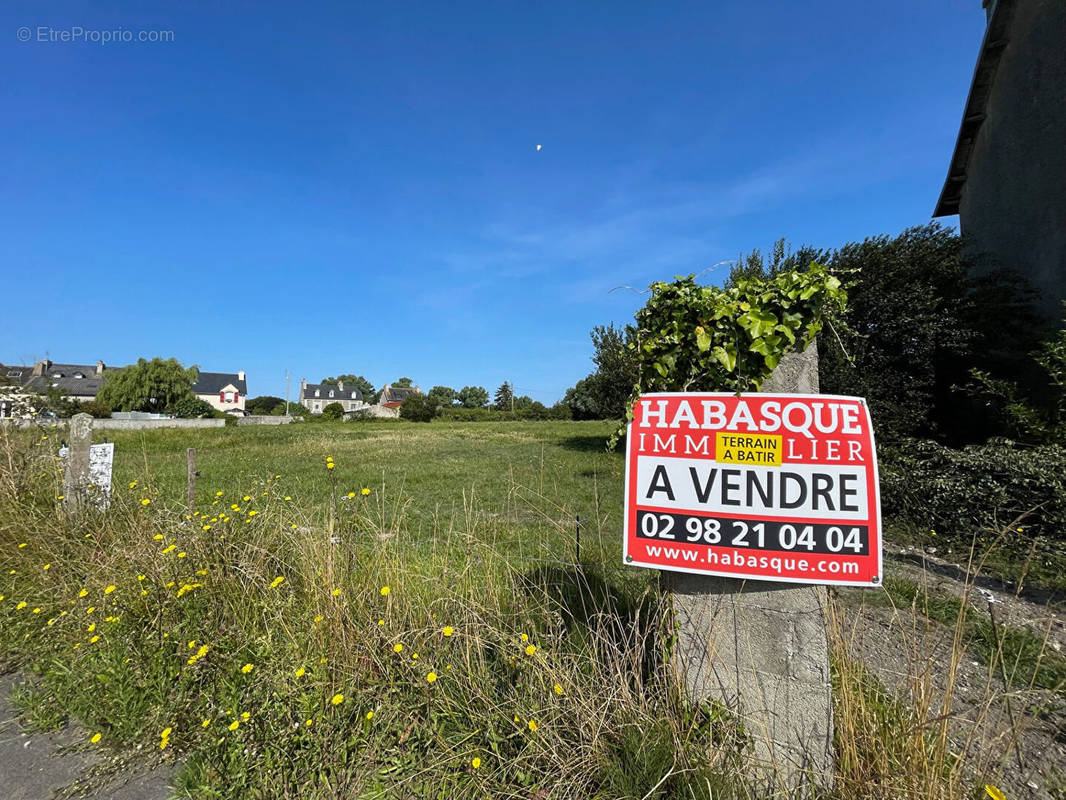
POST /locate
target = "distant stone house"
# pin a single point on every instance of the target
(316, 396)
(225, 391)
(393, 396)
(1006, 175)
(74, 381)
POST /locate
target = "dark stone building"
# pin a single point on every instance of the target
(1007, 178)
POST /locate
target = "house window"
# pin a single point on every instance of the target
(318, 407)
(227, 397)
(331, 393)
(316, 394)
(78, 376)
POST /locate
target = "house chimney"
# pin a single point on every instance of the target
(303, 385)
(99, 368)
(240, 374)
(41, 367)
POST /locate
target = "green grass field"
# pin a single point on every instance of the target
(408, 623)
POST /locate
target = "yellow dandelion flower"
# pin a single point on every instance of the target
(91, 628)
(307, 723)
(475, 762)
(169, 549)
(145, 501)
(274, 584)
(351, 495)
(207, 527)
(381, 622)
(235, 724)
(337, 699)
(287, 498)
(36, 611)
(994, 792)
(141, 577)
(109, 589)
(365, 492)
(524, 637)
(448, 630)
(90, 609)
(218, 494)
(21, 605)
(336, 592)
(530, 649)
(83, 592)
(245, 716)
(385, 590)
(205, 723)
(246, 498)
(396, 648)
(300, 672)
(369, 714)
(414, 656)
(158, 537)
(94, 640)
(252, 513)
(558, 689)
(133, 484)
(247, 668)
(47, 566)
(533, 725)
(329, 465)
(95, 738)
(431, 677)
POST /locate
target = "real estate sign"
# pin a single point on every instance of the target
(778, 487)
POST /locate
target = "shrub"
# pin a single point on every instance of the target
(95, 408)
(191, 407)
(418, 408)
(333, 411)
(981, 486)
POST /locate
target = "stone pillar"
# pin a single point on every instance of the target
(761, 648)
(76, 477)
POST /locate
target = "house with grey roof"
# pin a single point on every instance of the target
(316, 396)
(393, 396)
(225, 391)
(74, 381)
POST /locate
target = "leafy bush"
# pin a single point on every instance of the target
(264, 404)
(333, 411)
(191, 407)
(981, 486)
(95, 408)
(418, 408)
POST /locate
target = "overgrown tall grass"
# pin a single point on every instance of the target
(323, 651)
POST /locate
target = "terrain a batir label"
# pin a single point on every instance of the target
(779, 487)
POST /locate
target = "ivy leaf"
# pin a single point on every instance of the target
(758, 322)
(703, 339)
(727, 356)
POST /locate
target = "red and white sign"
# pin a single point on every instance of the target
(777, 487)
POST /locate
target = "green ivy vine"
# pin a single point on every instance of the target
(708, 338)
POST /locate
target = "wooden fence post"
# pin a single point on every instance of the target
(190, 462)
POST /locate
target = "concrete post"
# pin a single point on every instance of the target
(761, 647)
(76, 477)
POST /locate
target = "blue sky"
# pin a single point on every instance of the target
(355, 187)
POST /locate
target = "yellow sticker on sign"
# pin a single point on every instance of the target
(739, 448)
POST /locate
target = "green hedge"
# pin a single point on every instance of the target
(981, 486)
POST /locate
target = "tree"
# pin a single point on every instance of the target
(418, 408)
(522, 402)
(154, 385)
(264, 405)
(504, 397)
(402, 383)
(333, 411)
(474, 396)
(442, 396)
(579, 400)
